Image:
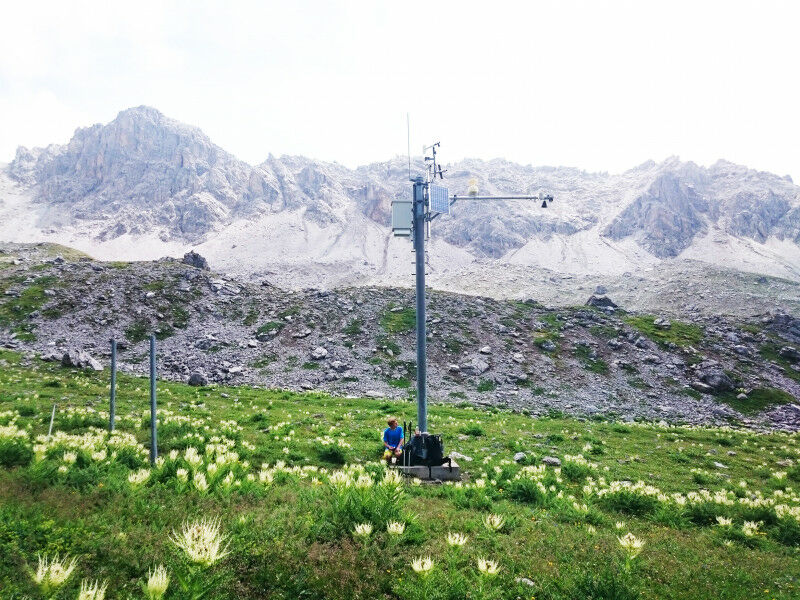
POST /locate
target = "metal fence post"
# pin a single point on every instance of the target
(153, 420)
(52, 418)
(112, 409)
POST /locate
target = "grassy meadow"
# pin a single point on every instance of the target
(274, 494)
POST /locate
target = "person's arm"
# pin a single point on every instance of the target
(385, 443)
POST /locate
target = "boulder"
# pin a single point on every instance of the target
(80, 359)
(459, 456)
(485, 350)
(601, 302)
(319, 353)
(520, 456)
(551, 461)
(193, 259)
(476, 366)
(701, 387)
(197, 379)
(790, 353)
(662, 323)
(711, 374)
(548, 346)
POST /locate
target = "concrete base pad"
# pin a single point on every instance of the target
(443, 473)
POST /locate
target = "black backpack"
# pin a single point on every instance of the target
(424, 449)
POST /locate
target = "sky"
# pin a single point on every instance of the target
(598, 85)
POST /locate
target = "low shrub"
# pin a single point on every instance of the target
(575, 472)
(333, 454)
(15, 452)
(473, 429)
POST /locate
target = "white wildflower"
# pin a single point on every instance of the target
(202, 541)
(456, 539)
(157, 583)
(52, 573)
(92, 591)
(200, 482)
(395, 528)
(138, 477)
(631, 544)
(494, 522)
(488, 567)
(422, 565)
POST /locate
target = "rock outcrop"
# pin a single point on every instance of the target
(146, 174)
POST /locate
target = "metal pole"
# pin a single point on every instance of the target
(52, 418)
(153, 424)
(536, 197)
(419, 249)
(112, 409)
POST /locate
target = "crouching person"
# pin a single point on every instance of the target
(392, 441)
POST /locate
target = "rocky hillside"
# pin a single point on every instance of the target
(145, 186)
(584, 360)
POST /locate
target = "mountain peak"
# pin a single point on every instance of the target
(147, 174)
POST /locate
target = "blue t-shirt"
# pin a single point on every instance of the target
(393, 437)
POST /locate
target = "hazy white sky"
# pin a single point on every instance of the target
(597, 85)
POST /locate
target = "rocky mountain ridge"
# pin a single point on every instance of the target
(145, 185)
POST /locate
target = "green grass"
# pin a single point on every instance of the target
(757, 400)
(355, 327)
(65, 252)
(270, 326)
(679, 333)
(486, 385)
(384, 342)
(138, 331)
(294, 539)
(156, 286)
(16, 311)
(289, 312)
(398, 321)
(453, 345)
(251, 318)
(605, 332)
(401, 383)
(595, 365)
(264, 361)
(180, 317)
(770, 351)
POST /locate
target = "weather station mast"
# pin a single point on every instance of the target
(423, 454)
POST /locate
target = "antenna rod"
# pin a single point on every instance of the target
(408, 132)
